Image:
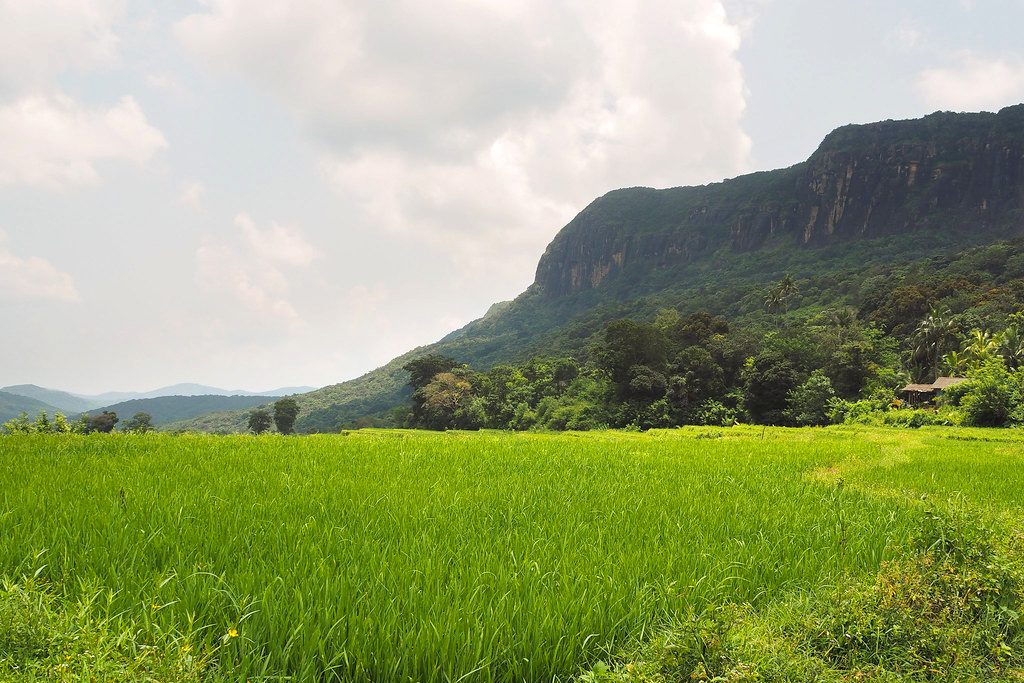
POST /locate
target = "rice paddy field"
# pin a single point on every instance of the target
(445, 557)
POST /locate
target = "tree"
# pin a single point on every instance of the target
(980, 348)
(993, 397)
(768, 379)
(695, 379)
(449, 402)
(259, 420)
(285, 412)
(954, 363)
(778, 296)
(60, 423)
(936, 335)
(645, 383)
(20, 425)
(1011, 344)
(628, 343)
(103, 423)
(808, 404)
(423, 369)
(140, 423)
(422, 372)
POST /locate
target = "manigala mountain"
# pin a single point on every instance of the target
(871, 196)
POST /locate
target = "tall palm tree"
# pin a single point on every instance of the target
(1011, 346)
(778, 295)
(936, 335)
(980, 347)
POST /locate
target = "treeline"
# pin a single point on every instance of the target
(698, 369)
(282, 416)
(102, 423)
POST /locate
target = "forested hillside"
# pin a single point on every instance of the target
(12, 405)
(877, 220)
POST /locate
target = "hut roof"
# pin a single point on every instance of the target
(938, 385)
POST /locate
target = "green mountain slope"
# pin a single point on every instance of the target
(68, 403)
(870, 200)
(13, 405)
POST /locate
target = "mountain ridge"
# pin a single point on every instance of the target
(73, 403)
(13, 405)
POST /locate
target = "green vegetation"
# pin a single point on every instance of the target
(141, 423)
(12, 405)
(402, 555)
(699, 370)
(855, 287)
(59, 400)
(285, 412)
(260, 421)
(946, 609)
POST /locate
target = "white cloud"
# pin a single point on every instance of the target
(56, 141)
(47, 137)
(40, 39)
(32, 278)
(192, 195)
(254, 266)
(482, 126)
(974, 82)
(904, 38)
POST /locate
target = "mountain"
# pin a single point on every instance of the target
(165, 409)
(72, 404)
(870, 200)
(56, 400)
(13, 405)
(191, 390)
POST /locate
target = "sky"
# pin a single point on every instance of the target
(262, 193)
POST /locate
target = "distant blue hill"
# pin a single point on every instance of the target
(56, 400)
(166, 409)
(12, 405)
(189, 389)
(71, 403)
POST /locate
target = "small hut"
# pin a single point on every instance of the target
(925, 393)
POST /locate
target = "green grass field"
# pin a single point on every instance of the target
(407, 556)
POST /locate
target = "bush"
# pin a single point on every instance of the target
(920, 417)
(993, 397)
(854, 412)
(809, 403)
(714, 413)
(946, 608)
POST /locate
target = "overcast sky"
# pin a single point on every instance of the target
(256, 193)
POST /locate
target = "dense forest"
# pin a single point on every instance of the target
(792, 362)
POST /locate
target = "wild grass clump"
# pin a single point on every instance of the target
(44, 637)
(947, 608)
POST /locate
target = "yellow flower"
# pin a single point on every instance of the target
(155, 606)
(187, 647)
(232, 632)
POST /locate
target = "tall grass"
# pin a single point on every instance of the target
(432, 557)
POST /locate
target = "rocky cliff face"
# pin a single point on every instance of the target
(961, 174)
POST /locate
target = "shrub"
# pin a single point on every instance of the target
(947, 608)
(714, 413)
(809, 403)
(993, 397)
